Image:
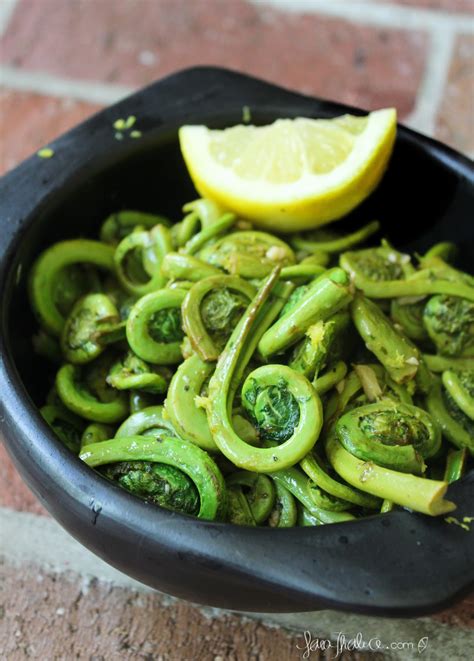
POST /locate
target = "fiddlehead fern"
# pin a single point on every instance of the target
(159, 484)
(186, 267)
(150, 421)
(460, 386)
(211, 311)
(409, 316)
(138, 258)
(133, 373)
(303, 430)
(176, 453)
(248, 254)
(284, 512)
(296, 483)
(84, 390)
(330, 242)
(324, 297)
(186, 385)
(416, 493)
(66, 426)
(154, 326)
(400, 357)
(122, 223)
(48, 277)
(209, 233)
(323, 340)
(391, 434)
(457, 427)
(449, 321)
(385, 273)
(96, 432)
(456, 463)
(258, 490)
(93, 321)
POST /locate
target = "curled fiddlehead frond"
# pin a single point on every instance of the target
(258, 490)
(460, 385)
(154, 326)
(409, 316)
(297, 484)
(327, 501)
(323, 341)
(457, 427)
(186, 385)
(150, 421)
(122, 223)
(322, 475)
(209, 233)
(201, 212)
(183, 456)
(270, 385)
(248, 254)
(238, 508)
(323, 241)
(186, 267)
(66, 426)
(391, 434)
(284, 512)
(96, 432)
(301, 272)
(50, 278)
(416, 493)
(331, 377)
(385, 273)
(140, 400)
(456, 463)
(211, 311)
(159, 484)
(400, 357)
(132, 373)
(92, 323)
(138, 259)
(84, 390)
(437, 363)
(446, 250)
(449, 321)
(328, 294)
(279, 401)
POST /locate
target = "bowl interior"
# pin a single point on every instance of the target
(419, 201)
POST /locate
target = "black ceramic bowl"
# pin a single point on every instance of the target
(394, 564)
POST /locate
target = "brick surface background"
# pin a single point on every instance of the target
(129, 42)
(455, 124)
(132, 42)
(61, 619)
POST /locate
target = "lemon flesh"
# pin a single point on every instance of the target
(294, 174)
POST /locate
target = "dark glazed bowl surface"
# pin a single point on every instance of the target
(394, 564)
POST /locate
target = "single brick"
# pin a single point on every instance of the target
(137, 42)
(29, 121)
(455, 122)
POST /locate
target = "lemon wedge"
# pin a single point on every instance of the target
(294, 174)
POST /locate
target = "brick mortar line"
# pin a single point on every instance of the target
(7, 7)
(368, 13)
(435, 77)
(38, 541)
(51, 85)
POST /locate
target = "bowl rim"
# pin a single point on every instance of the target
(22, 192)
